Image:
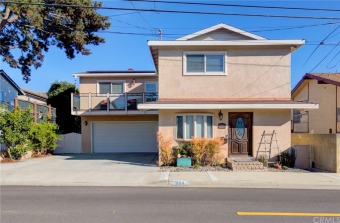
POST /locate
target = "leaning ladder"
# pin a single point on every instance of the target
(266, 144)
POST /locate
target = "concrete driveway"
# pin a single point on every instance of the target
(140, 170)
(82, 169)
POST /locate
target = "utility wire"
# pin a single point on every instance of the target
(140, 14)
(331, 67)
(321, 44)
(325, 57)
(175, 11)
(235, 5)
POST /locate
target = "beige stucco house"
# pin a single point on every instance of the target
(319, 129)
(218, 82)
(324, 89)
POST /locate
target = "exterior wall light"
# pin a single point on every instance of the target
(220, 115)
(85, 123)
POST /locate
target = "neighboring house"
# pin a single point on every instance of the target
(9, 90)
(12, 95)
(324, 89)
(218, 82)
(319, 130)
(32, 96)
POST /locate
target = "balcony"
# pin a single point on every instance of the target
(111, 104)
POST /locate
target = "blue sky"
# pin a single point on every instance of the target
(121, 52)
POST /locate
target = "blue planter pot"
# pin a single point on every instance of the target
(185, 162)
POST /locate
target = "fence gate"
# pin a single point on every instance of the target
(70, 143)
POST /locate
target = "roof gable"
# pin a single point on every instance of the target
(221, 32)
(9, 80)
(327, 78)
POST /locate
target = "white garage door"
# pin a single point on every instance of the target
(124, 137)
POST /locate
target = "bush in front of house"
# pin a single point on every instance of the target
(288, 158)
(166, 157)
(206, 151)
(44, 137)
(15, 126)
(20, 134)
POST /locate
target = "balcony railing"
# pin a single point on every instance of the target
(110, 102)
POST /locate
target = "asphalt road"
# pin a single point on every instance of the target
(133, 204)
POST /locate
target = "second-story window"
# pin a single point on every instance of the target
(210, 63)
(111, 87)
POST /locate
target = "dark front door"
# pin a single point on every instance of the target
(240, 133)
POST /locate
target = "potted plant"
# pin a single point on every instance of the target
(277, 166)
(182, 152)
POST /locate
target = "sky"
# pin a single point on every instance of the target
(124, 51)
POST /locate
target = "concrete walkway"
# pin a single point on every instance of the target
(141, 171)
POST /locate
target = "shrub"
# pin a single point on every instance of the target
(183, 149)
(198, 148)
(15, 126)
(44, 137)
(206, 151)
(263, 160)
(288, 158)
(213, 150)
(18, 151)
(166, 157)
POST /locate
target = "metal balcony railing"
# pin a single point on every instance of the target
(110, 102)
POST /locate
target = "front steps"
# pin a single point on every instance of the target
(244, 164)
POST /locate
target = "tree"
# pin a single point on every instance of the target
(28, 30)
(59, 96)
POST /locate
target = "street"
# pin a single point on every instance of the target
(140, 204)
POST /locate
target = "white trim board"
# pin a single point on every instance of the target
(227, 106)
(115, 75)
(228, 43)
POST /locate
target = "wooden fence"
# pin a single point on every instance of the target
(70, 143)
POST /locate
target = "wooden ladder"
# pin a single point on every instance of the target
(266, 144)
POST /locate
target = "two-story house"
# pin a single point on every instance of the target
(324, 89)
(218, 82)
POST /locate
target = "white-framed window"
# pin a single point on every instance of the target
(190, 126)
(204, 63)
(111, 87)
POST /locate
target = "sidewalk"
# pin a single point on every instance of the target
(288, 180)
(80, 171)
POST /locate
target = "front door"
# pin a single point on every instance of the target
(240, 133)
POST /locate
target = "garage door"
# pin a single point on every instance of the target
(124, 137)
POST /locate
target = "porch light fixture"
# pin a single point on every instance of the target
(85, 123)
(220, 115)
(133, 81)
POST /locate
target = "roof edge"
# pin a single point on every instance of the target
(12, 82)
(311, 76)
(221, 26)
